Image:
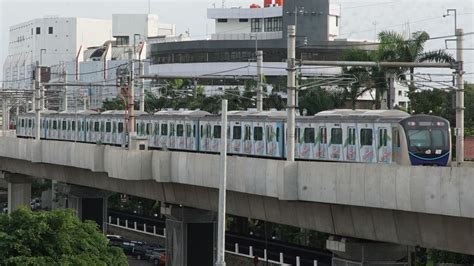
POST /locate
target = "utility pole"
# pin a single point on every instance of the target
(391, 91)
(65, 91)
(5, 113)
(38, 101)
(259, 80)
(222, 189)
(291, 90)
(142, 84)
(460, 97)
(131, 104)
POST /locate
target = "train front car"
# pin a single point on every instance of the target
(428, 140)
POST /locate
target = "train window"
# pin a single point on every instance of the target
(164, 129)
(120, 127)
(97, 126)
(23, 123)
(278, 134)
(336, 136)
(237, 132)
(102, 126)
(217, 132)
(157, 128)
(114, 127)
(324, 135)
(383, 137)
(73, 125)
(29, 123)
(143, 128)
(247, 132)
(55, 124)
(179, 130)
(438, 138)
(108, 127)
(68, 125)
(228, 132)
(269, 133)
(309, 135)
(63, 125)
(148, 128)
(366, 137)
(188, 130)
(202, 131)
(258, 133)
(352, 136)
(194, 131)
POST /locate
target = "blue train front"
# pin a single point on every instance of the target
(428, 140)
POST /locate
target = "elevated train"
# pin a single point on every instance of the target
(363, 136)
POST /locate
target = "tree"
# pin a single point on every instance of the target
(54, 238)
(394, 47)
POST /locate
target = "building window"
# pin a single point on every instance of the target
(222, 20)
(400, 93)
(243, 20)
(256, 25)
(38, 30)
(50, 30)
(273, 24)
(121, 40)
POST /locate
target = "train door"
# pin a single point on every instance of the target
(120, 132)
(172, 135)
(305, 141)
(367, 143)
(216, 136)
(259, 138)
(206, 132)
(236, 137)
(180, 136)
(383, 143)
(164, 134)
(156, 135)
(44, 126)
(149, 131)
(248, 142)
(271, 139)
(190, 135)
(108, 131)
(351, 143)
(335, 148)
(320, 152)
(396, 145)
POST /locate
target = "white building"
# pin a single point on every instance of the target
(48, 41)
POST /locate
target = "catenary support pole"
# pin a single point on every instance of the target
(37, 101)
(131, 104)
(222, 189)
(259, 80)
(460, 98)
(291, 87)
(142, 86)
(65, 92)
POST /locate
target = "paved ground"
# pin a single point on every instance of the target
(135, 262)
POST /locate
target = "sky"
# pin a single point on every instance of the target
(361, 19)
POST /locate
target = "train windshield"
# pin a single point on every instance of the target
(421, 139)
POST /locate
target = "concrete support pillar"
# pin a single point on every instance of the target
(191, 236)
(19, 190)
(88, 203)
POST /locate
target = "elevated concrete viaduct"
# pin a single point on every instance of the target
(426, 206)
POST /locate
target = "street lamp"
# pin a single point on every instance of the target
(448, 12)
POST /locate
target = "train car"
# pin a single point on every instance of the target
(347, 135)
(425, 140)
(359, 136)
(175, 129)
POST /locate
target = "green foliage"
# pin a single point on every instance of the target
(439, 256)
(53, 238)
(315, 100)
(469, 111)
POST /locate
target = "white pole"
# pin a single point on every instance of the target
(142, 88)
(65, 92)
(222, 189)
(298, 261)
(131, 103)
(4, 113)
(259, 80)
(460, 98)
(290, 131)
(38, 101)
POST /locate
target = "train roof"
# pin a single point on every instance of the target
(362, 115)
(123, 112)
(80, 112)
(254, 113)
(44, 112)
(189, 113)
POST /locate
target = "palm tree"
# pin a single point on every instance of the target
(394, 47)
